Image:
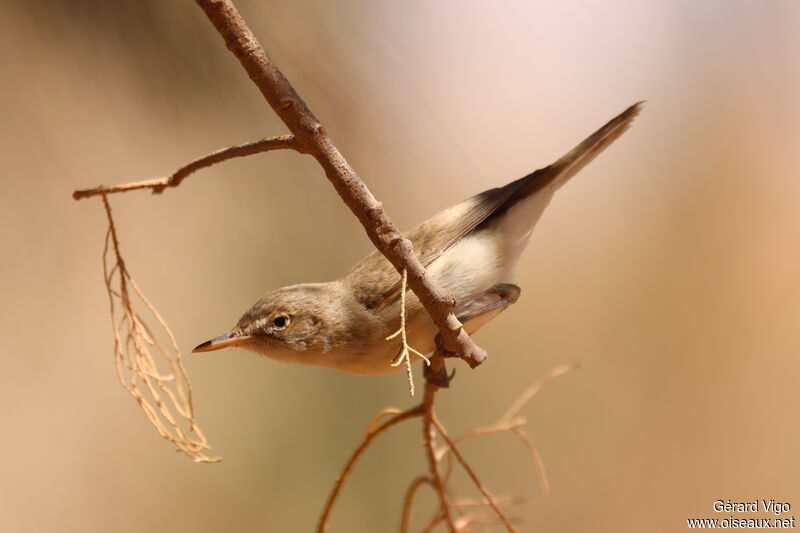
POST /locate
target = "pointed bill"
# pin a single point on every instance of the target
(223, 341)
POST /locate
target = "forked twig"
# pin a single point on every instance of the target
(408, 501)
(281, 142)
(404, 357)
(428, 437)
(322, 525)
(434, 478)
(380, 416)
(510, 422)
(471, 473)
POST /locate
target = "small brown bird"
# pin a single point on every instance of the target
(471, 249)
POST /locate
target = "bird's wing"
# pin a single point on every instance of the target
(375, 282)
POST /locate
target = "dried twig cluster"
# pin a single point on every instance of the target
(456, 514)
(150, 369)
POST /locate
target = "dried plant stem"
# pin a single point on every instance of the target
(165, 397)
(486, 494)
(538, 385)
(404, 357)
(322, 525)
(438, 482)
(509, 422)
(428, 437)
(408, 501)
(424, 410)
(389, 411)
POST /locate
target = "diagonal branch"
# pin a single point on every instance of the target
(428, 436)
(372, 432)
(282, 142)
(486, 494)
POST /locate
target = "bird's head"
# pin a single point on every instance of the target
(284, 321)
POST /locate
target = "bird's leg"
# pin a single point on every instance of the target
(436, 373)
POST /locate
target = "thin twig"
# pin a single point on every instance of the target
(538, 463)
(322, 525)
(437, 519)
(479, 518)
(430, 451)
(508, 422)
(506, 499)
(486, 494)
(404, 357)
(282, 142)
(531, 391)
(380, 416)
(408, 501)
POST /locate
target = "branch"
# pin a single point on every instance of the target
(283, 142)
(509, 422)
(489, 499)
(371, 434)
(531, 391)
(408, 503)
(311, 138)
(428, 421)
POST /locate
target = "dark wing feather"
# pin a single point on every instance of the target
(375, 282)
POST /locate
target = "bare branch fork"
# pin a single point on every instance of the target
(309, 137)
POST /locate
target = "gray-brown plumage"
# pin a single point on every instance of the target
(471, 248)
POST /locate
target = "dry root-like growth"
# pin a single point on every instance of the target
(456, 514)
(150, 370)
(404, 357)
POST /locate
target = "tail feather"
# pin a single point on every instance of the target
(528, 197)
(581, 155)
(555, 175)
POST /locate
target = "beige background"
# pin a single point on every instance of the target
(669, 267)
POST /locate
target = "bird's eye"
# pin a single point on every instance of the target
(280, 321)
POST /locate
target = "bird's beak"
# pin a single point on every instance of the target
(223, 341)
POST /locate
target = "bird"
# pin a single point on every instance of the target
(471, 249)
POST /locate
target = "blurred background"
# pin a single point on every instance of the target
(669, 267)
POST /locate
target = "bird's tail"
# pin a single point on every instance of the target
(558, 173)
(581, 155)
(526, 198)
